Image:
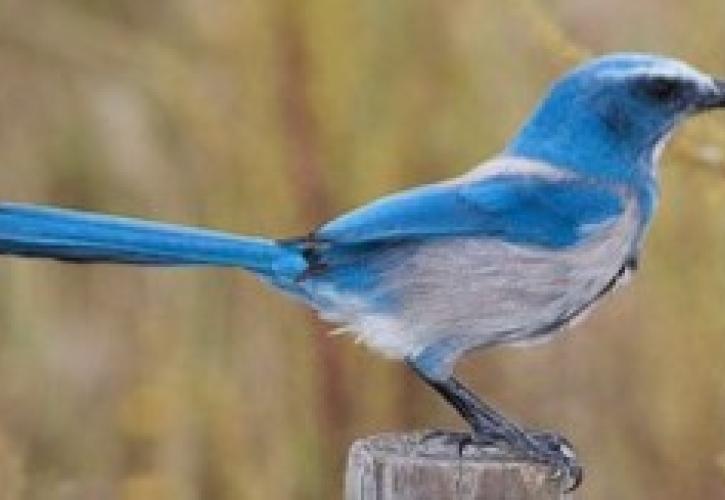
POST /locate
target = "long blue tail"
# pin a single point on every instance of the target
(70, 235)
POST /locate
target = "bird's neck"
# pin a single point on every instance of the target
(581, 140)
(594, 156)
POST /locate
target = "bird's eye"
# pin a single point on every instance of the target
(661, 89)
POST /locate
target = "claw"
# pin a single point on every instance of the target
(447, 437)
(557, 452)
(547, 448)
(432, 434)
(487, 438)
(464, 439)
(460, 439)
(577, 477)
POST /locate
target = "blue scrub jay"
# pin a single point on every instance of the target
(510, 252)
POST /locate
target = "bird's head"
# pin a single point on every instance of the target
(611, 116)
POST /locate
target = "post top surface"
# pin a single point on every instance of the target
(425, 444)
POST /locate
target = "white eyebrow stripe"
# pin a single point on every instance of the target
(669, 69)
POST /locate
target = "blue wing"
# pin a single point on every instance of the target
(530, 210)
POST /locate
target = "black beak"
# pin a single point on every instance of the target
(713, 99)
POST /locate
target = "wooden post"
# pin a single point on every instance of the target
(402, 467)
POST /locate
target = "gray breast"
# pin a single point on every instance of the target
(497, 292)
(478, 292)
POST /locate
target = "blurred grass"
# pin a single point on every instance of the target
(268, 117)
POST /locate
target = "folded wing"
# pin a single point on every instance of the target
(532, 210)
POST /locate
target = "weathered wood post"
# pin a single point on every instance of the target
(402, 467)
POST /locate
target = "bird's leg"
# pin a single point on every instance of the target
(488, 425)
(491, 427)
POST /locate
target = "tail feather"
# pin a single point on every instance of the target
(70, 235)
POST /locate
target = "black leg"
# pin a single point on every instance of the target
(486, 423)
(491, 427)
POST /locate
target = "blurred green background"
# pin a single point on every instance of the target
(262, 116)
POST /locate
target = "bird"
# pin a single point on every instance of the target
(511, 252)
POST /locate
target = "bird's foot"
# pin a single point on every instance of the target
(542, 447)
(481, 438)
(446, 437)
(462, 440)
(558, 453)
